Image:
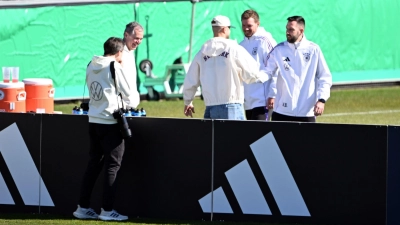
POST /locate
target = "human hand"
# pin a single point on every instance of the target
(319, 108)
(270, 103)
(188, 110)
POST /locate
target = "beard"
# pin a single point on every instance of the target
(291, 39)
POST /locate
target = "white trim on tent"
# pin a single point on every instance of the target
(36, 3)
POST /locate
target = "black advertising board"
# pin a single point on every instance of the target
(22, 190)
(297, 172)
(393, 182)
(174, 158)
(162, 171)
(65, 149)
(259, 171)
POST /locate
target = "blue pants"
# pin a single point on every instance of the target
(232, 111)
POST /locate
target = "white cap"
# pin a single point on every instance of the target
(221, 21)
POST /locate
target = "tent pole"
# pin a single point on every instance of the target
(191, 28)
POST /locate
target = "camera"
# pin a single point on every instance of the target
(123, 124)
(85, 106)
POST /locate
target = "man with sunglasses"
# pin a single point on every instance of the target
(221, 67)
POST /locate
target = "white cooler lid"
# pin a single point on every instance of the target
(12, 85)
(38, 81)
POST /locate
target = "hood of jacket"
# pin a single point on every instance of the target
(261, 33)
(100, 62)
(216, 46)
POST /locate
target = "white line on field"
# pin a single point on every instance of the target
(361, 113)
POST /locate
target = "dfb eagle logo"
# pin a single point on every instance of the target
(306, 56)
(286, 65)
(254, 52)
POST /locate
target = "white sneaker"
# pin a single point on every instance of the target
(111, 215)
(85, 213)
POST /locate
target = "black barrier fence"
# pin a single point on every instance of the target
(209, 169)
(393, 178)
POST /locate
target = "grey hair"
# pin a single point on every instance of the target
(130, 27)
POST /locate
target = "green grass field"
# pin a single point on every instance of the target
(351, 106)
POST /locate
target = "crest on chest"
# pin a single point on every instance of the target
(254, 52)
(306, 56)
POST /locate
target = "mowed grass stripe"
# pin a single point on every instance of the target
(340, 107)
(362, 113)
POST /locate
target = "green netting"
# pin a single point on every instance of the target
(57, 42)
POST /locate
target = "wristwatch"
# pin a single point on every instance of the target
(321, 100)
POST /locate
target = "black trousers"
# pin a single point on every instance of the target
(257, 113)
(106, 150)
(279, 117)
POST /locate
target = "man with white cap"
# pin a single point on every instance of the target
(221, 67)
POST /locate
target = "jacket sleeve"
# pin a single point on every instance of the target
(191, 82)
(271, 68)
(126, 85)
(273, 71)
(268, 44)
(324, 77)
(271, 88)
(250, 72)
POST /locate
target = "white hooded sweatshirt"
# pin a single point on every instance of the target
(221, 67)
(103, 96)
(259, 46)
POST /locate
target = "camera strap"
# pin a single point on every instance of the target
(112, 70)
(85, 105)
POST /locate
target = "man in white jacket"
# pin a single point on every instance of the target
(221, 67)
(133, 36)
(106, 142)
(304, 79)
(259, 43)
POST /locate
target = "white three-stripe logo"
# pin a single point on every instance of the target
(23, 171)
(247, 191)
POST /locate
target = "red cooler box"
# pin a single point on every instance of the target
(12, 97)
(39, 95)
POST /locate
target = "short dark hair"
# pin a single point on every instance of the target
(299, 19)
(250, 14)
(130, 27)
(113, 45)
